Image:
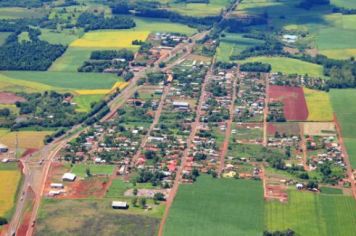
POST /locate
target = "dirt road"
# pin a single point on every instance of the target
(265, 113)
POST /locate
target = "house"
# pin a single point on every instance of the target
(56, 185)
(69, 177)
(180, 105)
(299, 186)
(3, 148)
(119, 205)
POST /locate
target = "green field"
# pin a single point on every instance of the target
(62, 80)
(118, 188)
(233, 44)
(3, 37)
(217, 207)
(64, 37)
(18, 12)
(312, 214)
(343, 102)
(213, 8)
(289, 65)
(80, 169)
(84, 101)
(93, 217)
(344, 3)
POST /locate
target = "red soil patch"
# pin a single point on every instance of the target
(25, 224)
(295, 106)
(29, 152)
(10, 98)
(283, 128)
(90, 187)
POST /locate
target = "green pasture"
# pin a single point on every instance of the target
(233, 44)
(343, 102)
(3, 37)
(65, 36)
(80, 169)
(71, 60)
(289, 65)
(344, 3)
(212, 8)
(217, 207)
(312, 214)
(62, 80)
(84, 102)
(118, 188)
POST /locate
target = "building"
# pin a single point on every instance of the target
(119, 205)
(69, 177)
(180, 105)
(57, 185)
(3, 148)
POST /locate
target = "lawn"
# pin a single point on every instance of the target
(63, 80)
(10, 178)
(319, 105)
(312, 214)
(289, 65)
(84, 101)
(343, 102)
(80, 169)
(217, 207)
(26, 139)
(93, 217)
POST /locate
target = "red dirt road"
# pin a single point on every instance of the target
(295, 106)
(10, 98)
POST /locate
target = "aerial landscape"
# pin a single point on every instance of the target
(177, 117)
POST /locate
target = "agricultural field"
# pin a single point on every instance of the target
(345, 109)
(213, 8)
(56, 218)
(3, 37)
(61, 80)
(289, 65)
(18, 12)
(26, 139)
(118, 188)
(319, 105)
(312, 214)
(80, 169)
(10, 177)
(344, 3)
(214, 206)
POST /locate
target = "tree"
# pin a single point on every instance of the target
(143, 203)
(134, 201)
(158, 197)
(3, 221)
(312, 184)
(135, 191)
(87, 171)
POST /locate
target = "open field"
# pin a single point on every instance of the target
(344, 3)
(3, 37)
(92, 217)
(63, 80)
(289, 65)
(65, 37)
(345, 109)
(312, 214)
(118, 188)
(84, 101)
(319, 105)
(10, 85)
(19, 12)
(233, 44)
(10, 177)
(217, 206)
(26, 139)
(295, 106)
(288, 128)
(213, 8)
(80, 169)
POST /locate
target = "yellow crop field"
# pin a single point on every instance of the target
(110, 39)
(319, 105)
(26, 139)
(9, 181)
(120, 85)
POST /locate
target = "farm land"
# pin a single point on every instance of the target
(177, 125)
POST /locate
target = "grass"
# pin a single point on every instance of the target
(327, 190)
(3, 37)
(63, 80)
(312, 214)
(84, 102)
(289, 65)
(118, 188)
(80, 169)
(319, 105)
(64, 37)
(8, 188)
(344, 3)
(26, 139)
(343, 102)
(19, 12)
(217, 207)
(213, 8)
(233, 44)
(11, 85)
(71, 60)
(83, 217)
